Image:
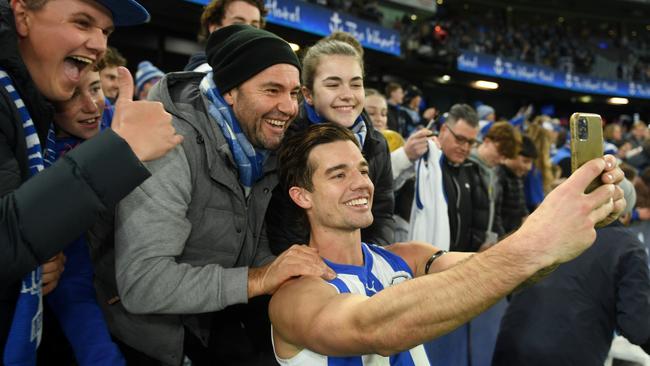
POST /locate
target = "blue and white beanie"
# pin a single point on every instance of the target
(146, 71)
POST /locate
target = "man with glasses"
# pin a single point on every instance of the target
(466, 198)
(460, 176)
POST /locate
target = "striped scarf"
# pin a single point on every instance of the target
(26, 327)
(58, 146)
(249, 160)
(358, 128)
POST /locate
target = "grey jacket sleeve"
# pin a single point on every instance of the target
(263, 254)
(151, 229)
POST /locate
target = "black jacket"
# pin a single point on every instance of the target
(396, 119)
(195, 61)
(467, 205)
(513, 201)
(285, 222)
(41, 216)
(569, 318)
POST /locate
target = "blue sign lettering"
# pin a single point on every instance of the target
(520, 71)
(322, 21)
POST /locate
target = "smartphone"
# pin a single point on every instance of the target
(586, 142)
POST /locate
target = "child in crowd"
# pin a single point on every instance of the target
(73, 301)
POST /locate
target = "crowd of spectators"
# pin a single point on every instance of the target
(368, 10)
(200, 207)
(569, 45)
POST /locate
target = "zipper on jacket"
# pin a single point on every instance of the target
(453, 178)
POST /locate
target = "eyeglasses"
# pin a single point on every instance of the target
(462, 140)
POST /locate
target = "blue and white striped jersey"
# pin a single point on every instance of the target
(381, 269)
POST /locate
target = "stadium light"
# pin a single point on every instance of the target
(294, 47)
(485, 85)
(444, 79)
(585, 99)
(618, 101)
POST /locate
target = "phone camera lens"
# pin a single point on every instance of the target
(583, 130)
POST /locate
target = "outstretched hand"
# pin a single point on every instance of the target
(145, 125)
(562, 227)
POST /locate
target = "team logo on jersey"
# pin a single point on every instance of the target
(371, 289)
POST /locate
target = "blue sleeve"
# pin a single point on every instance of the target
(633, 294)
(518, 122)
(107, 116)
(533, 189)
(75, 305)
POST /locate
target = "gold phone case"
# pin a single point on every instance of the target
(585, 147)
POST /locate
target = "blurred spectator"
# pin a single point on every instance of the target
(145, 78)
(613, 133)
(371, 11)
(539, 180)
(411, 109)
(222, 13)
(501, 141)
(641, 160)
(486, 117)
(511, 175)
(395, 98)
(638, 134)
(377, 109)
(108, 74)
(642, 187)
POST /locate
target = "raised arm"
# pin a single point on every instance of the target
(308, 313)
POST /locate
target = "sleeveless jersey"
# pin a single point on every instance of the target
(381, 269)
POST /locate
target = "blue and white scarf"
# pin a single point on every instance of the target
(358, 128)
(249, 160)
(27, 324)
(58, 146)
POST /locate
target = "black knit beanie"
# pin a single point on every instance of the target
(238, 52)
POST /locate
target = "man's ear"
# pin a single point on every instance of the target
(21, 17)
(306, 93)
(301, 197)
(229, 98)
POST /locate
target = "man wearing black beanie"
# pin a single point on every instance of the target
(191, 242)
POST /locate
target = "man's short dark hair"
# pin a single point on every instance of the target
(214, 12)
(390, 88)
(294, 167)
(113, 58)
(464, 112)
